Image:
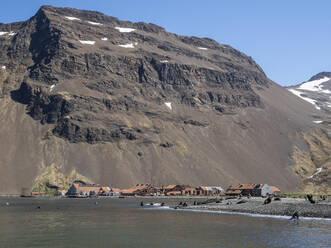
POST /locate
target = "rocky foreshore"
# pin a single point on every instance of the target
(284, 206)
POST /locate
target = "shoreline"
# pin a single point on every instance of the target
(284, 207)
(253, 206)
(256, 215)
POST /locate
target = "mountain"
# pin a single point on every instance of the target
(84, 95)
(314, 165)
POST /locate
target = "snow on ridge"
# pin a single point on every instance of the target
(3, 33)
(297, 93)
(71, 18)
(318, 170)
(326, 91)
(168, 104)
(104, 38)
(314, 85)
(87, 42)
(128, 45)
(125, 30)
(317, 122)
(95, 23)
(202, 48)
(3, 67)
(164, 61)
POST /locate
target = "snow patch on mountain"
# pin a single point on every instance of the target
(297, 93)
(168, 104)
(314, 85)
(95, 23)
(52, 87)
(202, 48)
(87, 42)
(11, 33)
(71, 18)
(125, 30)
(318, 170)
(128, 45)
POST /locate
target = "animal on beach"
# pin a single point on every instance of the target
(310, 198)
(295, 216)
(267, 201)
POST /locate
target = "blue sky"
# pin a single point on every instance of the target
(289, 39)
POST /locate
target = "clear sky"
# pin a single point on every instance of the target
(289, 39)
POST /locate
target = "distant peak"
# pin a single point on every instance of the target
(320, 76)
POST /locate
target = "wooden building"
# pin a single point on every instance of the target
(249, 189)
(141, 190)
(275, 190)
(210, 190)
(80, 189)
(178, 190)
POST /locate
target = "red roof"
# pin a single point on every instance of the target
(105, 189)
(246, 186)
(234, 191)
(275, 189)
(174, 193)
(189, 189)
(171, 186)
(135, 188)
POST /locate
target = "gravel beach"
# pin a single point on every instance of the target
(286, 206)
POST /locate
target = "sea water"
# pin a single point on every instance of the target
(107, 222)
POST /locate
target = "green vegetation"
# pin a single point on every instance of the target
(50, 192)
(55, 175)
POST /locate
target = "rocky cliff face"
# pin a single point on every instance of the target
(77, 80)
(124, 103)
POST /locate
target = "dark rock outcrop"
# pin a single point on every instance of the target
(118, 80)
(166, 145)
(196, 123)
